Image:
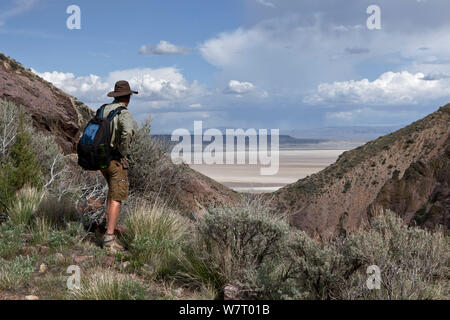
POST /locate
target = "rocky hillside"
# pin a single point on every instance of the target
(407, 171)
(422, 195)
(64, 116)
(53, 111)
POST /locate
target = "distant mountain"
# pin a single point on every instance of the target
(351, 133)
(348, 133)
(407, 171)
(284, 141)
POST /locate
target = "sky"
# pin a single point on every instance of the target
(264, 64)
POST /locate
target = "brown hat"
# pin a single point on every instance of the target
(122, 88)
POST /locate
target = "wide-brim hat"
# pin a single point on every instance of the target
(122, 88)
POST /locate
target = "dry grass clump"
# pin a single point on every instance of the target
(107, 285)
(26, 205)
(155, 236)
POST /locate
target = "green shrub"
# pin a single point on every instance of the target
(15, 273)
(414, 263)
(319, 270)
(19, 166)
(11, 239)
(59, 239)
(58, 211)
(246, 238)
(22, 168)
(152, 174)
(237, 245)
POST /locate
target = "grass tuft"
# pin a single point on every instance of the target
(155, 236)
(26, 205)
(106, 285)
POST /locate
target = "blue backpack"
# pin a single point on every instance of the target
(94, 148)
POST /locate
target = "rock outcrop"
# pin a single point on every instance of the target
(52, 110)
(422, 195)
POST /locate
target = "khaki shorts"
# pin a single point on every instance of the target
(117, 178)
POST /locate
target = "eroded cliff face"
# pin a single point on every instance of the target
(339, 198)
(422, 195)
(52, 110)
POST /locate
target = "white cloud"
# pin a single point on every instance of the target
(163, 48)
(291, 56)
(240, 89)
(237, 87)
(19, 7)
(89, 88)
(156, 86)
(284, 55)
(391, 88)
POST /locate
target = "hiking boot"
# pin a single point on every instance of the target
(112, 244)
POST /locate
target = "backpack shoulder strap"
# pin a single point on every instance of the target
(115, 112)
(100, 111)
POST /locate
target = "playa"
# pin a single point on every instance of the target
(295, 164)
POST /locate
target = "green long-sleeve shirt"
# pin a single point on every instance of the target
(123, 128)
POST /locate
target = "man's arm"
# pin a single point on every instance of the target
(126, 132)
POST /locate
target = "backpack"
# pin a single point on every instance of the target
(94, 148)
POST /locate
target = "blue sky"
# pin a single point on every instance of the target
(288, 64)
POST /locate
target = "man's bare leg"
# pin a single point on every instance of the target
(113, 208)
(108, 201)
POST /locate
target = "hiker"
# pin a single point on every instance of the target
(116, 174)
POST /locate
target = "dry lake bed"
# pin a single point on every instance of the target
(294, 164)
